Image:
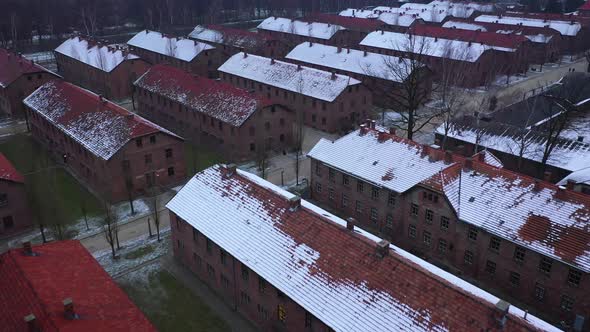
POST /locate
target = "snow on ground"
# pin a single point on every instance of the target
(125, 261)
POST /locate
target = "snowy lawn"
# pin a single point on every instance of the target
(167, 303)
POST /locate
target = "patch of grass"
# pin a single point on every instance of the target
(170, 306)
(139, 252)
(27, 156)
(199, 157)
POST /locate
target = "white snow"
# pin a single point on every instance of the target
(98, 56)
(228, 211)
(308, 29)
(216, 36)
(463, 25)
(359, 13)
(430, 46)
(355, 61)
(580, 176)
(564, 27)
(182, 49)
(307, 81)
(397, 18)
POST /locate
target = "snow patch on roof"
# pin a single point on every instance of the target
(300, 79)
(301, 28)
(359, 13)
(564, 27)
(182, 49)
(463, 25)
(581, 176)
(96, 55)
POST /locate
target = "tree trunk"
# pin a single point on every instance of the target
(149, 227)
(42, 228)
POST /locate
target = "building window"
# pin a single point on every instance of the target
(574, 277)
(245, 298)
(331, 175)
(318, 169)
(8, 222)
(490, 267)
(472, 234)
(426, 238)
(209, 246)
(519, 253)
(414, 210)
(495, 244)
(429, 216)
(444, 223)
(138, 142)
(389, 221)
(308, 318)
(360, 186)
(374, 215)
(222, 256)
(153, 139)
(514, 279)
(567, 303)
(331, 194)
(345, 179)
(344, 201)
(170, 171)
(318, 187)
(545, 265)
(197, 259)
(263, 312)
(391, 199)
(245, 273)
(168, 153)
(442, 246)
(375, 193)
(261, 285)
(359, 207)
(224, 281)
(210, 271)
(282, 313)
(539, 292)
(412, 231)
(195, 235)
(468, 258)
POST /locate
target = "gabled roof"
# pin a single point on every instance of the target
(429, 46)
(8, 172)
(182, 49)
(13, 66)
(92, 53)
(333, 273)
(216, 99)
(223, 35)
(59, 270)
(534, 34)
(301, 28)
(311, 82)
(355, 61)
(581, 176)
(568, 17)
(359, 13)
(100, 126)
(500, 41)
(566, 28)
(488, 158)
(351, 23)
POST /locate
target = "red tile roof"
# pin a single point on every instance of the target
(352, 23)
(99, 125)
(213, 98)
(585, 6)
(526, 30)
(12, 66)
(8, 172)
(583, 20)
(488, 38)
(59, 270)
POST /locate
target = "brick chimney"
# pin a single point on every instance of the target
(501, 313)
(425, 151)
(28, 248)
(481, 156)
(570, 184)
(560, 193)
(310, 44)
(537, 185)
(392, 131)
(245, 55)
(298, 67)
(448, 157)
(350, 222)
(363, 130)
(373, 124)
(547, 176)
(272, 61)
(228, 170)
(31, 322)
(294, 203)
(69, 312)
(365, 53)
(382, 248)
(382, 136)
(339, 49)
(468, 163)
(333, 76)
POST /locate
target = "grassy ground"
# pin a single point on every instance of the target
(198, 158)
(30, 157)
(140, 252)
(168, 304)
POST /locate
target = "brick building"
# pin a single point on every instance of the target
(14, 211)
(190, 55)
(229, 41)
(520, 237)
(238, 123)
(385, 76)
(544, 44)
(104, 69)
(59, 286)
(114, 152)
(477, 61)
(18, 78)
(328, 101)
(356, 29)
(293, 31)
(584, 10)
(287, 265)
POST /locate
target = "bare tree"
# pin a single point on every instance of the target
(452, 98)
(154, 192)
(111, 229)
(88, 16)
(14, 30)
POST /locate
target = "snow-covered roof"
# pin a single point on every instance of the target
(429, 46)
(489, 158)
(569, 154)
(463, 25)
(360, 13)
(215, 99)
(396, 18)
(223, 35)
(563, 27)
(311, 82)
(579, 176)
(301, 28)
(182, 49)
(355, 61)
(257, 223)
(100, 126)
(90, 52)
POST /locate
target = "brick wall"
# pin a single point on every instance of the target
(15, 215)
(204, 64)
(11, 97)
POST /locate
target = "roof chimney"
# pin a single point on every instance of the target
(448, 157)
(298, 67)
(363, 130)
(348, 50)
(501, 313)
(560, 193)
(468, 163)
(333, 76)
(31, 322)
(272, 61)
(365, 53)
(547, 176)
(28, 248)
(310, 44)
(425, 151)
(382, 248)
(537, 185)
(229, 170)
(350, 222)
(245, 55)
(294, 203)
(69, 312)
(391, 131)
(373, 124)
(570, 184)
(339, 49)
(382, 136)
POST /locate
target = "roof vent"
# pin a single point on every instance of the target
(28, 248)
(31, 322)
(382, 248)
(69, 312)
(365, 53)
(245, 55)
(298, 67)
(364, 129)
(272, 61)
(333, 76)
(310, 44)
(294, 203)
(350, 222)
(501, 313)
(229, 170)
